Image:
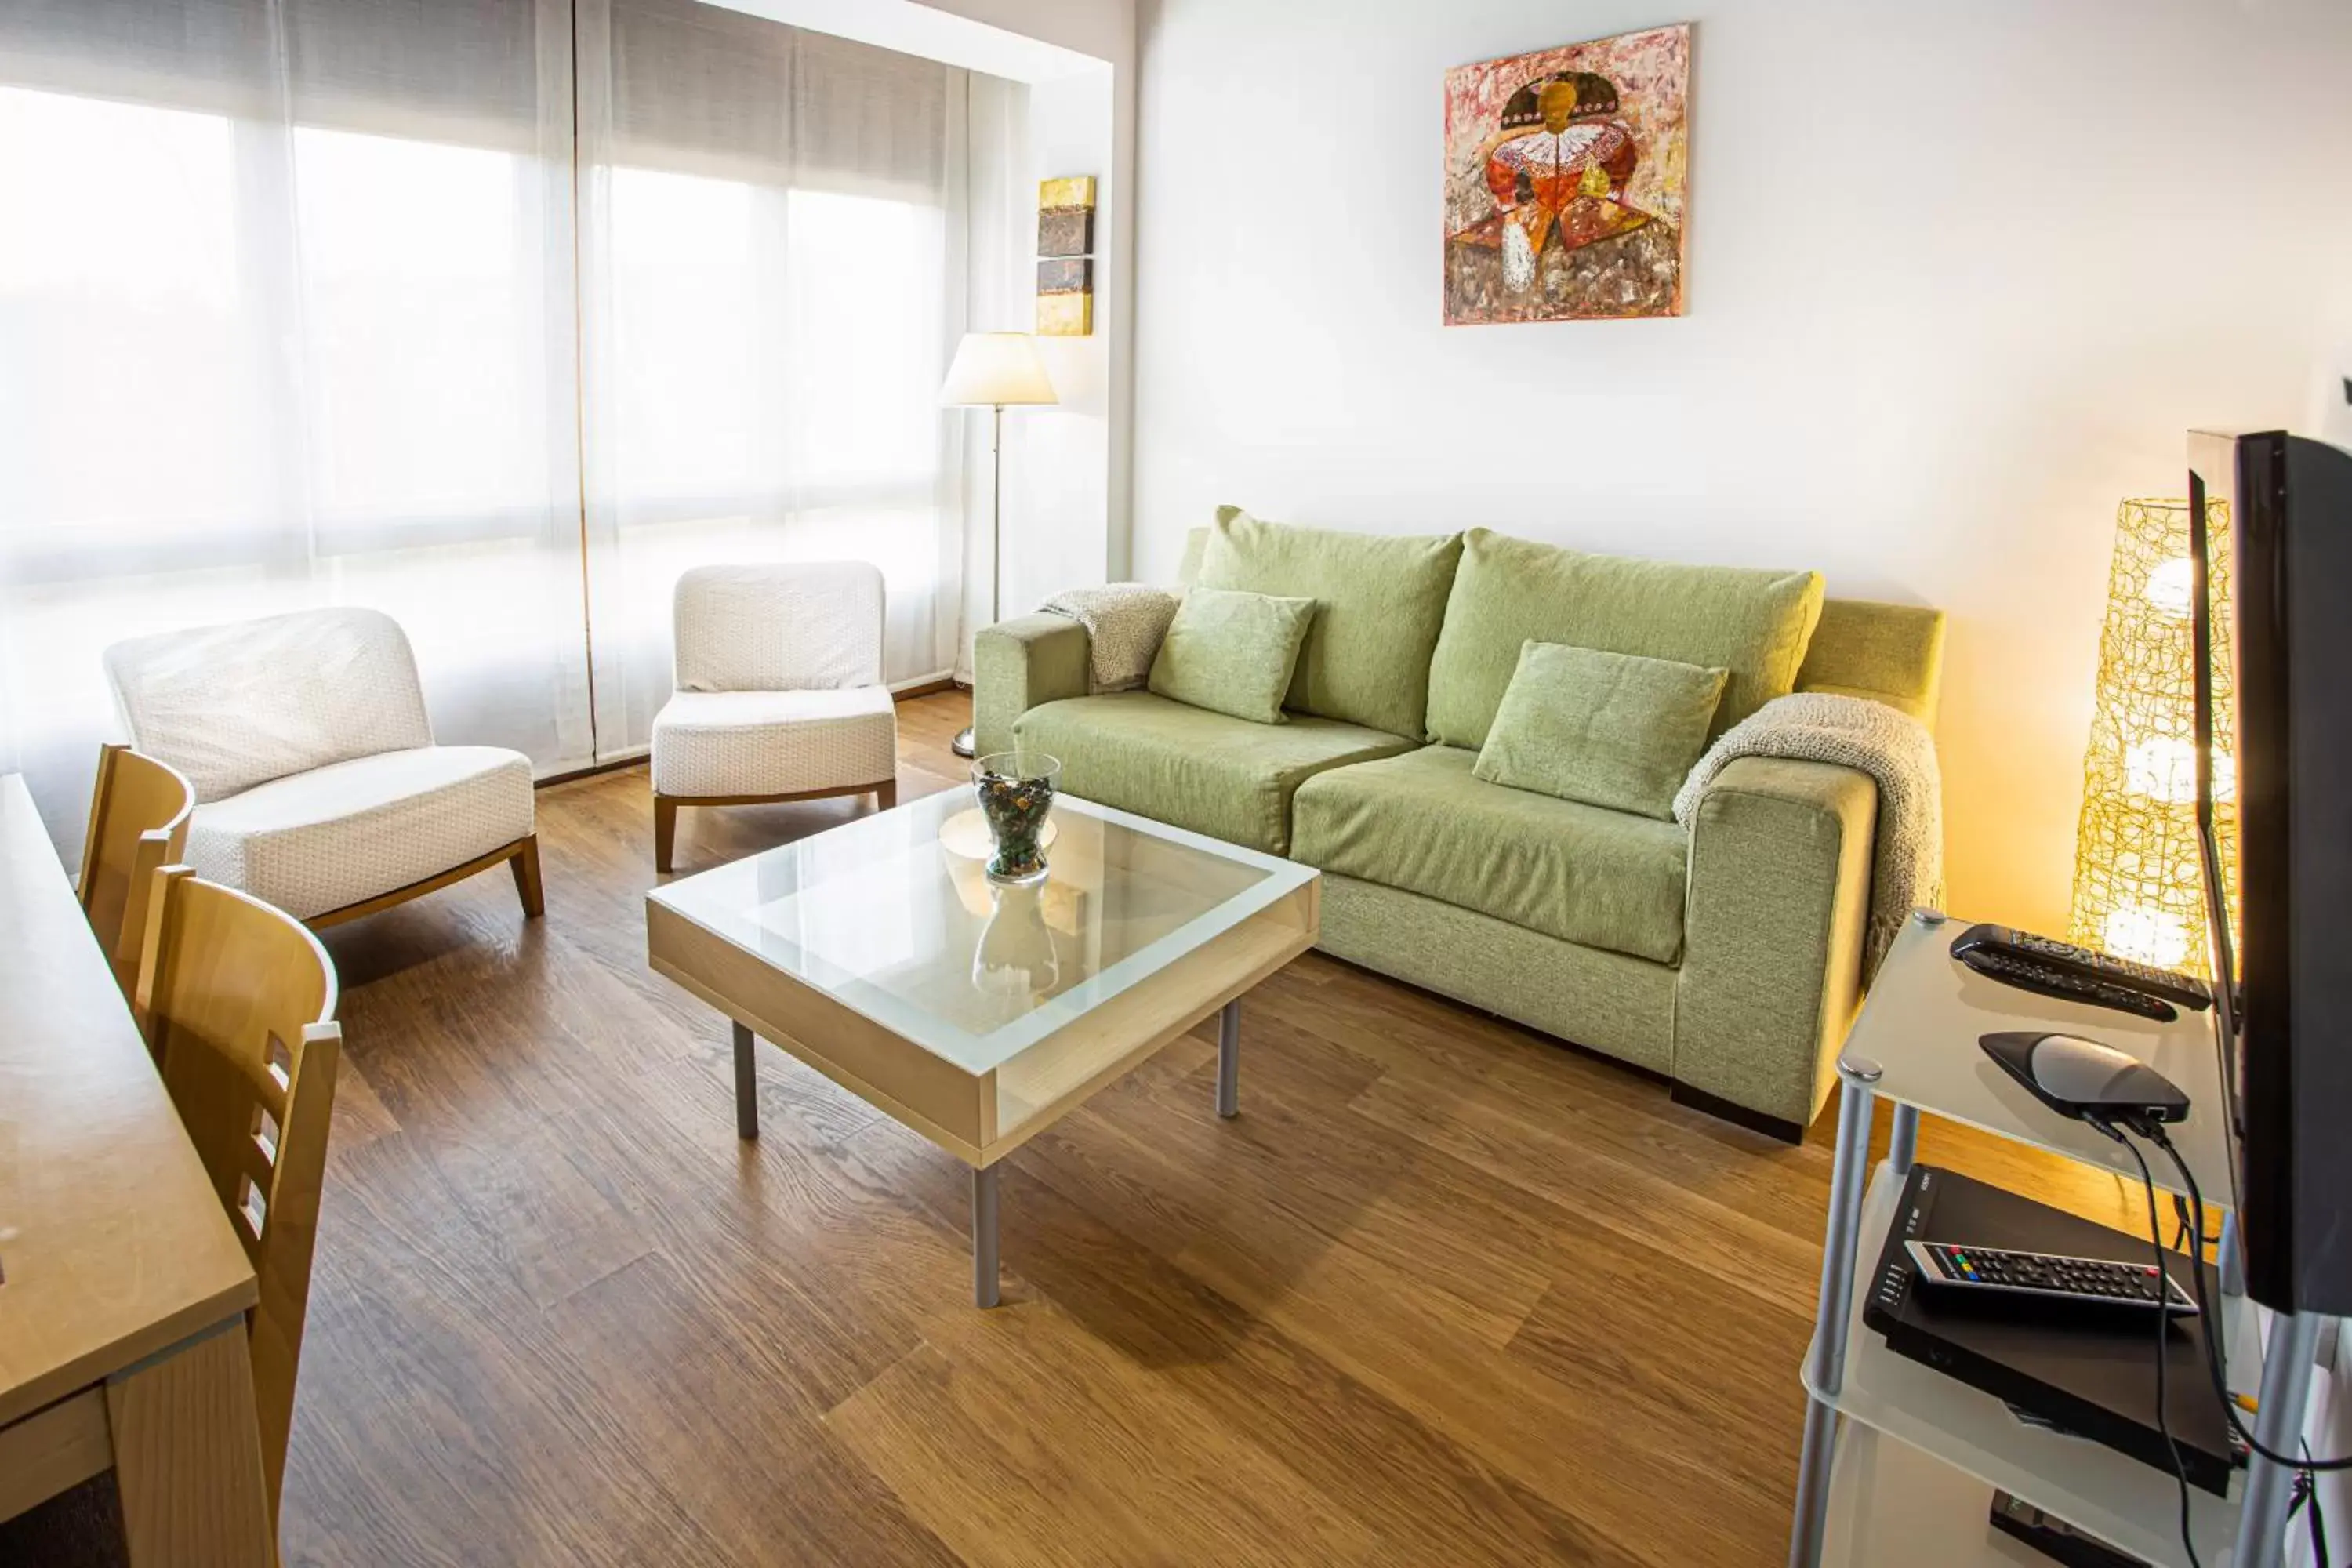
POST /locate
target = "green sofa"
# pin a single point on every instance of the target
(1725, 958)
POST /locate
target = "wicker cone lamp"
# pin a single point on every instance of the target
(994, 370)
(2138, 885)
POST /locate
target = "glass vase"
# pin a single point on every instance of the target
(1016, 793)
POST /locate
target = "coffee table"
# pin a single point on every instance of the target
(880, 954)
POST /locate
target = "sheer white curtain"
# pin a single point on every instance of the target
(287, 318)
(326, 301)
(771, 254)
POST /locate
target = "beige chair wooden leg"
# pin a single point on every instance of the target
(886, 794)
(665, 831)
(525, 866)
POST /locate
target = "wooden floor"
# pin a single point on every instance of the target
(1446, 1292)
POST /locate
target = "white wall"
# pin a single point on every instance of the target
(1061, 515)
(1067, 468)
(1961, 277)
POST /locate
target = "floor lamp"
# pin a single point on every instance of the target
(994, 370)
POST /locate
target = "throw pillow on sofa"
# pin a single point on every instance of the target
(1380, 599)
(1755, 624)
(1232, 652)
(1607, 729)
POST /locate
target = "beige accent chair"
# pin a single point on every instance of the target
(778, 673)
(319, 787)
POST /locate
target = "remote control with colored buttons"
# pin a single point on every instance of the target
(1992, 1270)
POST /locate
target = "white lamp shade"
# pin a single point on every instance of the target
(992, 369)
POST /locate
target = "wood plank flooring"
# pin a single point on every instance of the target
(1445, 1292)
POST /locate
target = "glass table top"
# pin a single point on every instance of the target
(893, 916)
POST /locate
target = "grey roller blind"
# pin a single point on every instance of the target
(701, 90)
(455, 70)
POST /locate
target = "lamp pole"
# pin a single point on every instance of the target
(963, 745)
(993, 371)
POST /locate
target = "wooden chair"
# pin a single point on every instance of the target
(138, 814)
(238, 1001)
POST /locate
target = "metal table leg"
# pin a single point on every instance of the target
(1825, 1372)
(2278, 1425)
(1229, 1060)
(1903, 1146)
(2229, 1259)
(747, 1085)
(983, 1236)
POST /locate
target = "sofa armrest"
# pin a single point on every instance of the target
(1772, 935)
(1018, 664)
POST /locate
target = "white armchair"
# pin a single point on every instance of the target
(780, 693)
(318, 788)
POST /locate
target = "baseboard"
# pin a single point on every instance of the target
(613, 765)
(1739, 1115)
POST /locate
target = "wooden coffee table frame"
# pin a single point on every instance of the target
(966, 1113)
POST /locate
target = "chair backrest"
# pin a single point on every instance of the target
(234, 706)
(777, 626)
(238, 1001)
(138, 812)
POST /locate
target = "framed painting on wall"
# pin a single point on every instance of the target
(1066, 241)
(1566, 176)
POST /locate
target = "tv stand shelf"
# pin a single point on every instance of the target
(2114, 1497)
(1891, 1443)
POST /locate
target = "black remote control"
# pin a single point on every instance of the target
(1992, 1271)
(1999, 963)
(2063, 958)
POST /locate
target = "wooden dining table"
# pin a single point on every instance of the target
(123, 1290)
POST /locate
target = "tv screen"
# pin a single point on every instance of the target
(2270, 520)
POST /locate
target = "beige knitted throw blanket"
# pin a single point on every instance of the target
(1124, 623)
(1896, 750)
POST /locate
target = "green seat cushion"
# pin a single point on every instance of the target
(1423, 822)
(1607, 729)
(1208, 772)
(1754, 623)
(1379, 601)
(1232, 652)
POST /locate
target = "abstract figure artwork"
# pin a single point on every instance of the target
(1566, 176)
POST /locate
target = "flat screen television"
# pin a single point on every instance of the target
(2283, 991)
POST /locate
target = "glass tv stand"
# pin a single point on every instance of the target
(1900, 1461)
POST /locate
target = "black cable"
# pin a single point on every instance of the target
(2317, 1518)
(2163, 1334)
(2180, 1227)
(2154, 1132)
(2306, 1496)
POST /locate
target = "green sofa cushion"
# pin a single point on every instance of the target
(1424, 822)
(1607, 729)
(1215, 774)
(1755, 624)
(1379, 603)
(1232, 652)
